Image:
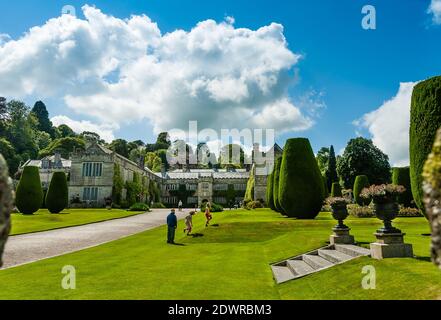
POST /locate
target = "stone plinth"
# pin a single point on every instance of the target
(390, 245)
(341, 236)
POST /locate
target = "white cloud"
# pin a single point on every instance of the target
(123, 70)
(389, 125)
(105, 131)
(435, 10)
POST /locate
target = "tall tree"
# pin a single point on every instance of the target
(331, 171)
(120, 147)
(323, 159)
(66, 131)
(44, 124)
(362, 157)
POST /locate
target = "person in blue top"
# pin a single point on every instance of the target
(172, 224)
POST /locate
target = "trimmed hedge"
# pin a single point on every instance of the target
(29, 196)
(301, 185)
(277, 205)
(269, 192)
(360, 183)
(425, 119)
(401, 177)
(214, 207)
(57, 196)
(336, 190)
(139, 206)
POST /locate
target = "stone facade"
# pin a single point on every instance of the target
(91, 175)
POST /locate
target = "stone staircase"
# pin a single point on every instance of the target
(316, 261)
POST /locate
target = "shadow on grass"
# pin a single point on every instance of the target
(426, 259)
(196, 235)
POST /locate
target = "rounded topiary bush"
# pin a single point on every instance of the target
(360, 183)
(425, 119)
(57, 194)
(276, 173)
(269, 192)
(336, 190)
(301, 185)
(401, 177)
(29, 196)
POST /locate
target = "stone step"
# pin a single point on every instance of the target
(299, 267)
(282, 274)
(352, 250)
(316, 262)
(334, 256)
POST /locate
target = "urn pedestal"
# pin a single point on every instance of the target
(341, 236)
(340, 231)
(390, 245)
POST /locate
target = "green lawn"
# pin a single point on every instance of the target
(229, 261)
(44, 220)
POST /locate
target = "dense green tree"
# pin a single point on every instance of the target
(401, 177)
(120, 146)
(277, 205)
(29, 195)
(360, 183)
(331, 170)
(325, 187)
(64, 145)
(301, 185)
(65, 131)
(425, 119)
(43, 139)
(44, 124)
(232, 156)
(362, 157)
(8, 151)
(153, 161)
(57, 194)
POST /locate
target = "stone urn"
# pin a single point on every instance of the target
(340, 213)
(386, 211)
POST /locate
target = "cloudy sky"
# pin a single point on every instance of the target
(135, 68)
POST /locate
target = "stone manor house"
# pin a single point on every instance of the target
(91, 177)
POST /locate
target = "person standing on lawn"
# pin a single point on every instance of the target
(180, 205)
(172, 224)
(208, 215)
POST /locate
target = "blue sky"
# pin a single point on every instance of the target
(354, 70)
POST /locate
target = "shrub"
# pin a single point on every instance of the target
(409, 212)
(269, 192)
(249, 193)
(360, 183)
(213, 208)
(360, 212)
(301, 184)
(139, 207)
(336, 190)
(276, 181)
(29, 196)
(425, 119)
(401, 177)
(254, 205)
(57, 194)
(158, 205)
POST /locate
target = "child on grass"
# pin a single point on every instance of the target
(189, 223)
(208, 215)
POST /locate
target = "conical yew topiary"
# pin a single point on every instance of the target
(57, 194)
(276, 173)
(29, 196)
(269, 192)
(336, 190)
(401, 177)
(425, 119)
(360, 183)
(301, 185)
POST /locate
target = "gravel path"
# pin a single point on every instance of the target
(26, 248)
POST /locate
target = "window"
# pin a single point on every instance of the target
(192, 200)
(90, 194)
(191, 187)
(172, 187)
(220, 200)
(220, 187)
(92, 169)
(240, 187)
